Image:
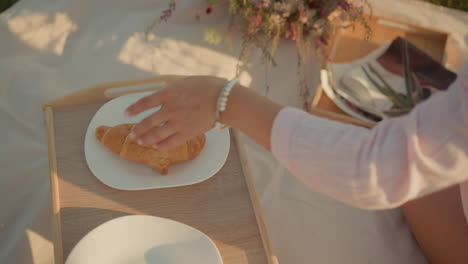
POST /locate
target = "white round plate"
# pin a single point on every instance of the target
(141, 239)
(122, 174)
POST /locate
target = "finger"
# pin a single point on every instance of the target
(157, 134)
(146, 103)
(172, 141)
(154, 120)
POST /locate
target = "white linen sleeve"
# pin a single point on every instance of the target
(398, 160)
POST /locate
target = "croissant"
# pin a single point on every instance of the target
(118, 141)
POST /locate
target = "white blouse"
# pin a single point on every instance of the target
(398, 160)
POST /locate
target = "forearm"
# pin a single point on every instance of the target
(251, 114)
(398, 160)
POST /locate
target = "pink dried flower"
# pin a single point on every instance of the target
(318, 42)
(293, 32)
(321, 41)
(344, 5)
(167, 13)
(255, 21)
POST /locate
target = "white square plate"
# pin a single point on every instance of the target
(141, 239)
(122, 174)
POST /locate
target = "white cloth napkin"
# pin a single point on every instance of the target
(367, 95)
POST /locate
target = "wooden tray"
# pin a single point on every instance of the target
(349, 45)
(225, 207)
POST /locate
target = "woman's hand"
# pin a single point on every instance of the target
(188, 109)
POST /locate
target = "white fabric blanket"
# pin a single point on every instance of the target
(49, 48)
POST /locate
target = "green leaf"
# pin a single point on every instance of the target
(5, 4)
(417, 88)
(408, 79)
(384, 90)
(401, 98)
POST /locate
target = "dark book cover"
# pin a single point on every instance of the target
(430, 73)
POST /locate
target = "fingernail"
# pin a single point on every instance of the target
(155, 146)
(127, 113)
(140, 142)
(132, 135)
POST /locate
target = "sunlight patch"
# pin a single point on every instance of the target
(39, 247)
(42, 31)
(169, 56)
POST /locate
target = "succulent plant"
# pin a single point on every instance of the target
(403, 102)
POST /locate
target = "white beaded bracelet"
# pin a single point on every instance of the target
(222, 102)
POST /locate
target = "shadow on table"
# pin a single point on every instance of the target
(187, 252)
